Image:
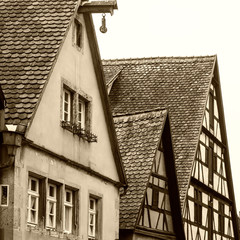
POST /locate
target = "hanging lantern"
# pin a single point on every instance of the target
(103, 28)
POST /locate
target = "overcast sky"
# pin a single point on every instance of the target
(151, 28)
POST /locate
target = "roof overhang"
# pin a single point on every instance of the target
(98, 7)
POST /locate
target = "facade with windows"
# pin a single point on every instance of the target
(189, 88)
(62, 172)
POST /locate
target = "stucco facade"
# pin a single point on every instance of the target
(55, 175)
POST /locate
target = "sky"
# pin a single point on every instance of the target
(152, 28)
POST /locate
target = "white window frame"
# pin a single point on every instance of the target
(81, 120)
(1, 194)
(32, 195)
(51, 200)
(68, 205)
(68, 101)
(93, 213)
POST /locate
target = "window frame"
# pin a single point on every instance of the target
(80, 102)
(69, 103)
(97, 198)
(82, 127)
(70, 205)
(36, 195)
(54, 201)
(93, 212)
(1, 194)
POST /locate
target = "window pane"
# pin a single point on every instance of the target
(33, 185)
(51, 191)
(68, 197)
(68, 219)
(65, 117)
(66, 107)
(92, 204)
(4, 195)
(33, 216)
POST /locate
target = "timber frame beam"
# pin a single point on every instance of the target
(98, 7)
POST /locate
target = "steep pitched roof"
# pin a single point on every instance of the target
(180, 84)
(138, 136)
(30, 37)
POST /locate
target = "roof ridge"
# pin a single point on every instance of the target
(155, 59)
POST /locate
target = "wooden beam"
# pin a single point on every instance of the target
(98, 7)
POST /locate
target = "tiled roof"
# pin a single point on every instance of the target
(31, 32)
(180, 84)
(138, 136)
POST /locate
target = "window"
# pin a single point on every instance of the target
(198, 206)
(68, 211)
(221, 217)
(92, 227)
(67, 105)
(78, 33)
(76, 114)
(51, 206)
(4, 193)
(81, 114)
(33, 200)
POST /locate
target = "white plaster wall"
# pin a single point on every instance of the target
(52, 168)
(76, 67)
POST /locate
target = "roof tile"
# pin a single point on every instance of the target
(180, 84)
(138, 136)
(31, 34)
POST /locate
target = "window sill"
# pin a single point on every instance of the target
(76, 129)
(50, 232)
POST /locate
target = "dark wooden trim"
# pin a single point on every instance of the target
(154, 233)
(227, 158)
(72, 163)
(210, 135)
(103, 93)
(159, 176)
(173, 189)
(98, 7)
(205, 188)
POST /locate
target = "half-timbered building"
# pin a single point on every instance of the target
(152, 194)
(189, 87)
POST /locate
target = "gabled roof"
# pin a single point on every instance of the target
(180, 84)
(30, 37)
(138, 136)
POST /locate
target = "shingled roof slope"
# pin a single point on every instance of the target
(138, 136)
(30, 36)
(180, 84)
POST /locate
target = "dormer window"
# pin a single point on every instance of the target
(78, 29)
